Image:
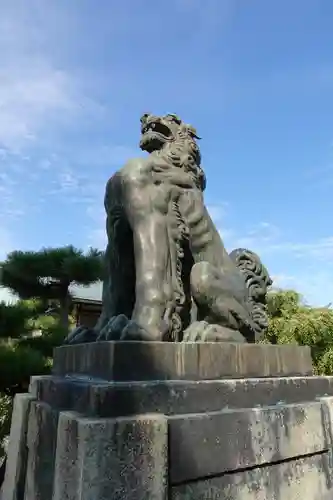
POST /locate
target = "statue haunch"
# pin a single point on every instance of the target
(168, 275)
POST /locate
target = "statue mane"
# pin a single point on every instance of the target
(182, 151)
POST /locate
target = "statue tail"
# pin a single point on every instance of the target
(257, 281)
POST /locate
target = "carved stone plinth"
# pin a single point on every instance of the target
(128, 361)
(157, 420)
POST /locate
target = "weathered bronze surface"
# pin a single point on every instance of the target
(168, 274)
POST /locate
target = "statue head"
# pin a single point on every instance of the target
(158, 131)
(169, 136)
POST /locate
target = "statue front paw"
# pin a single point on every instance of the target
(121, 328)
(81, 335)
(117, 328)
(202, 331)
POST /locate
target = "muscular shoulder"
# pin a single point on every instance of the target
(135, 169)
(134, 163)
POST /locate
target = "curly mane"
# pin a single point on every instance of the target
(183, 152)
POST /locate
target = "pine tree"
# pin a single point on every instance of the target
(47, 274)
(28, 334)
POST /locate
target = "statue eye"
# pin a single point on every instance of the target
(173, 117)
(144, 117)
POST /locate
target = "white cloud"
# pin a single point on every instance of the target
(6, 243)
(217, 211)
(68, 181)
(40, 101)
(37, 90)
(6, 246)
(32, 89)
(306, 266)
(97, 218)
(102, 155)
(283, 281)
(30, 96)
(272, 243)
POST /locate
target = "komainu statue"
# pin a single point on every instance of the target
(168, 275)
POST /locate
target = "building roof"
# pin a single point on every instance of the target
(7, 296)
(90, 293)
(80, 293)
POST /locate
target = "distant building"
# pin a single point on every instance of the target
(7, 296)
(87, 302)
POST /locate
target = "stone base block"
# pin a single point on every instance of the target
(208, 454)
(106, 459)
(41, 446)
(113, 399)
(66, 456)
(128, 361)
(300, 479)
(213, 444)
(15, 477)
(180, 437)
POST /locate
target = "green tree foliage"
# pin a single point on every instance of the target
(27, 334)
(292, 321)
(16, 317)
(6, 405)
(48, 273)
(13, 318)
(27, 339)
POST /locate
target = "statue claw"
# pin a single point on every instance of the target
(117, 328)
(202, 331)
(113, 329)
(122, 328)
(81, 335)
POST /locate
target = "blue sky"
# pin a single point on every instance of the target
(254, 77)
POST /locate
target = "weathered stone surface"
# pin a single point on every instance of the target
(34, 381)
(112, 399)
(327, 413)
(41, 444)
(67, 465)
(328, 496)
(307, 478)
(13, 486)
(227, 438)
(113, 458)
(220, 443)
(128, 361)
(213, 443)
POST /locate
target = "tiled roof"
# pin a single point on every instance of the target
(92, 292)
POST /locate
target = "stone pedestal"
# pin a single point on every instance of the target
(151, 421)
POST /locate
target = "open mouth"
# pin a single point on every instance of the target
(156, 129)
